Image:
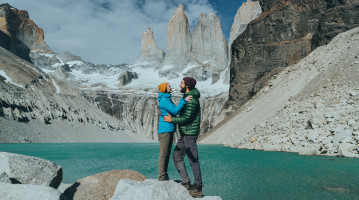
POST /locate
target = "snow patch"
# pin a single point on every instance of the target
(47, 71)
(8, 79)
(167, 67)
(149, 78)
(188, 68)
(46, 55)
(75, 62)
(95, 78)
(58, 90)
(61, 63)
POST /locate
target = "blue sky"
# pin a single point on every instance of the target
(110, 31)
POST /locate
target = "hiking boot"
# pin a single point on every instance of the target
(196, 191)
(187, 185)
(164, 178)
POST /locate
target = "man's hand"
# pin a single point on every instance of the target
(189, 98)
(167, 118)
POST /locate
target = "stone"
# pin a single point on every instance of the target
(346, 150)
(353, 93)
(126, 78)
(351, 122)
(338, 137)
(4, 178)
(30, 170)
(330, 120)
(270, 147)
(100, 186)
(308, 151)
(29, 192)
(313, 136)
(348, 139)
(150, 189)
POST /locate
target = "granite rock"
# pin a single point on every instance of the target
(30, 170)
(29, 192)
(20, 34)
(208, 44)
(152, 190)
(100, 186)
(149, 51)
(178, 45)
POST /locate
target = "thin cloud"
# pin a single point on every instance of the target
(106, 31)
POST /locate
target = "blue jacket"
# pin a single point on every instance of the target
(168, 107)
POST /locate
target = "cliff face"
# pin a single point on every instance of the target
(141, 113)
(19, 34)
(209, 44)
(178, 39)
(249, 11)
(285, 33)
(149, 51)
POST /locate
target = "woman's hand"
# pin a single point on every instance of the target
(189, 98)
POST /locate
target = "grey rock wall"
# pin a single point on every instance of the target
(286, 32)
(141, 112)
(208, 44)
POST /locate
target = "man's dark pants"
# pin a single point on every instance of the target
(187, 145)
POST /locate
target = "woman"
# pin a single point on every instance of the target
(165, 129)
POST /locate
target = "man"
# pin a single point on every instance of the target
(189, 126)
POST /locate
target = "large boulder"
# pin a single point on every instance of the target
(30, 170)
(29, 192)
(100, 186)
(152, 190)
(308, 151)
(126, 78)
(346, 150)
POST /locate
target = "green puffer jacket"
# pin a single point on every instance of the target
(190, 119)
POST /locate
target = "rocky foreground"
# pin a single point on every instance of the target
(37, 178)
(310, 108)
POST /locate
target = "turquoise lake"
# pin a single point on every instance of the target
(229, 173)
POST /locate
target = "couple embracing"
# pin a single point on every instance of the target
(188, 116)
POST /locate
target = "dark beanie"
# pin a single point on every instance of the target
(190, 82)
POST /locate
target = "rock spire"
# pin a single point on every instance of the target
(178, 39)
(249, 11)
(149, 51)
(208, 42)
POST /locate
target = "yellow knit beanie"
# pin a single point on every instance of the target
(163, 87)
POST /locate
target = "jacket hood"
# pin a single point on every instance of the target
(194, 93)
(163, 95)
